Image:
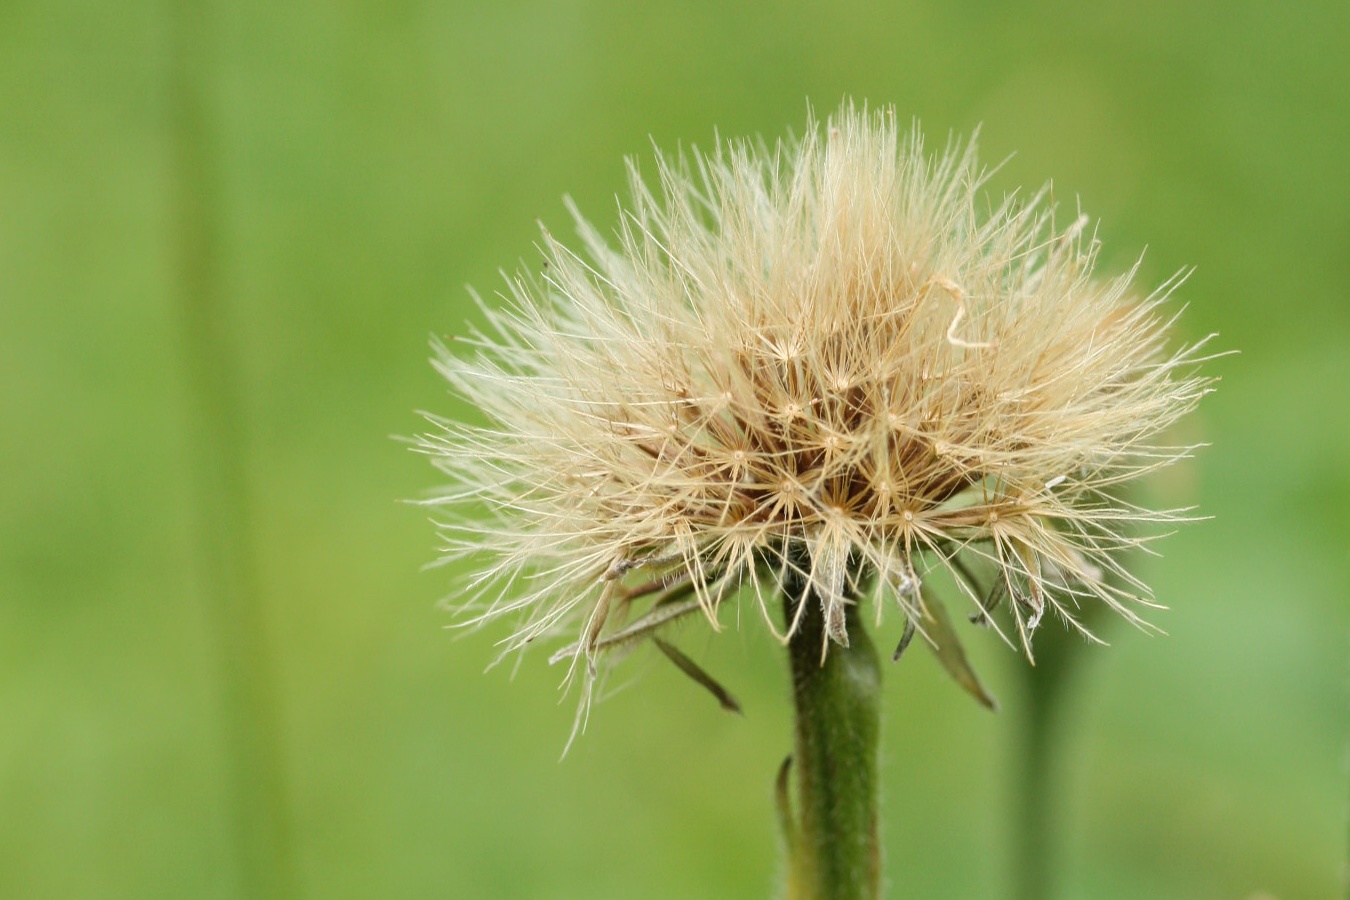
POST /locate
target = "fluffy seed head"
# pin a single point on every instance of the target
(824, 356)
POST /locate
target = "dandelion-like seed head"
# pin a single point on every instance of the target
(825, 362)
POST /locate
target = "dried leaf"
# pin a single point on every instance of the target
(659, 615)
(829, 551)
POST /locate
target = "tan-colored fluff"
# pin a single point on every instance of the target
(819, 355)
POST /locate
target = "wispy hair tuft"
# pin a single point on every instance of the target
(829, 358)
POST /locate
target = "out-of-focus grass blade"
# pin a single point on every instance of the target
(937, 628)
(695, 671)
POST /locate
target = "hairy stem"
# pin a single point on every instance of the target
(834, 846)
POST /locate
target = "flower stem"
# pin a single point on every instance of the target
(835, 850)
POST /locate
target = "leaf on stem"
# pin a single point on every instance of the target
(783, 804)
(696, 672)
(905, 637)
(937, 628)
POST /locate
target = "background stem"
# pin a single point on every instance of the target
(1033, 831)
(1034, 837)
(836, 855)
(255, 788)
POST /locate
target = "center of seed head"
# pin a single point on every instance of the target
(908, 515)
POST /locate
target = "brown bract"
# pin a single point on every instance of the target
(820, 355)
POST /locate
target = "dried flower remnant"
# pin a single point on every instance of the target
(819, 364)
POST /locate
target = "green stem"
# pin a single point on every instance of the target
(1034, 835)
(255, 788)
(835, 850)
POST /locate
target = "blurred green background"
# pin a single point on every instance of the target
(363, 162)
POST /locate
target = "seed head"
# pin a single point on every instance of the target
(821, 358)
